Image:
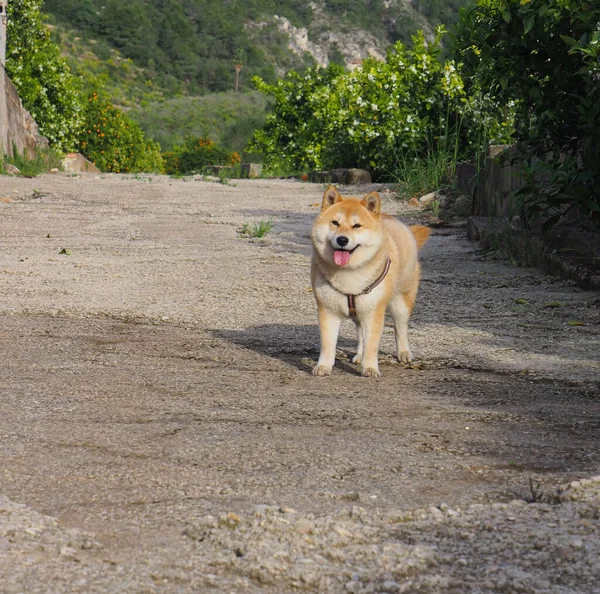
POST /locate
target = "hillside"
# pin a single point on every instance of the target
(171, 65)
(190, 46)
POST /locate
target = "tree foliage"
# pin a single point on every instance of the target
(543, 57)
(42, 78)
(115, 143)
(376, 115)
(69, 117)
(195, 154)
(192, 43)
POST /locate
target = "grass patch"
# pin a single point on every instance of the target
(256, 229)
(420, 174)
(44, 160)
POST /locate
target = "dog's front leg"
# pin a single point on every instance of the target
(372, 327)
(329, 328)
(357, 359)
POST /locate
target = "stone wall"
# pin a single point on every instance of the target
(492, 184)
(18, 130)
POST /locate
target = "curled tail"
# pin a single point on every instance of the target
(420, 233)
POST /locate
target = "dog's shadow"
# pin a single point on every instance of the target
(295, 345)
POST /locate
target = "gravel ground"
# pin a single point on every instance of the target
(161, 431)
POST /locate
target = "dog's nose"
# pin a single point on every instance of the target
(342, 241)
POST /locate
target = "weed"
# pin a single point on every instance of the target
(223, 177)
(536, 492)
(142, 178)
(553, 305)
(43, 160)
(256, 229)
(419, 173)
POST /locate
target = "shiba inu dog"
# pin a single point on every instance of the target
(363, 263)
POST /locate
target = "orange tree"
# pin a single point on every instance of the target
(115, 143)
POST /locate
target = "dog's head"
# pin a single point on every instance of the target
(348, 231)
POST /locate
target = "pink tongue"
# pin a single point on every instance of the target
(341, 257)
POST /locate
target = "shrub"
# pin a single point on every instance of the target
(115, 143)
(42, 161)
(543, 58)
(195, 154)
(375, 116)
(44, 82)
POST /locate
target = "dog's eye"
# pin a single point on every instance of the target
(356, 226)
(335, 223)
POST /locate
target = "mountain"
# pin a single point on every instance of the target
(190, 46)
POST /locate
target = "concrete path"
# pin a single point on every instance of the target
(160, 430)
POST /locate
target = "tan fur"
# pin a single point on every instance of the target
(373, 237)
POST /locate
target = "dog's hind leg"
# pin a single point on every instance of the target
(401, 307)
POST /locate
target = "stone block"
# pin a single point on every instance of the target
(251, 170)
(346, 177)
(77, 163)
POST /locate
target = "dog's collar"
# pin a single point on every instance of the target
(351, 298)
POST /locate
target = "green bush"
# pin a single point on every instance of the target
(115, 143)
(195, 155)
(44, 82)
(229, 119)
(67, 116)
(542, 58)
(378, 115)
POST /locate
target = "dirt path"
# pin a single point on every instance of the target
(160, 430)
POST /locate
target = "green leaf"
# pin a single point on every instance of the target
(65, 252)
(569, 40)
(528, 24)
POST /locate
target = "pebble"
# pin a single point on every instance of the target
(304, 527)
(576, 543)
(437, 514)
(68, 552)
(342, 531)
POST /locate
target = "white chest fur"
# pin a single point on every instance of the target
(336, 301)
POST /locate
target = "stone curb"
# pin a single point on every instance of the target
(528, 249)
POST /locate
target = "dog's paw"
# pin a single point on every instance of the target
(357, 359)
(371, 372)
(404, 356)
(321, 370)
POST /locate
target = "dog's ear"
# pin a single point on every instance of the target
(372, 202)
(330, 197)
